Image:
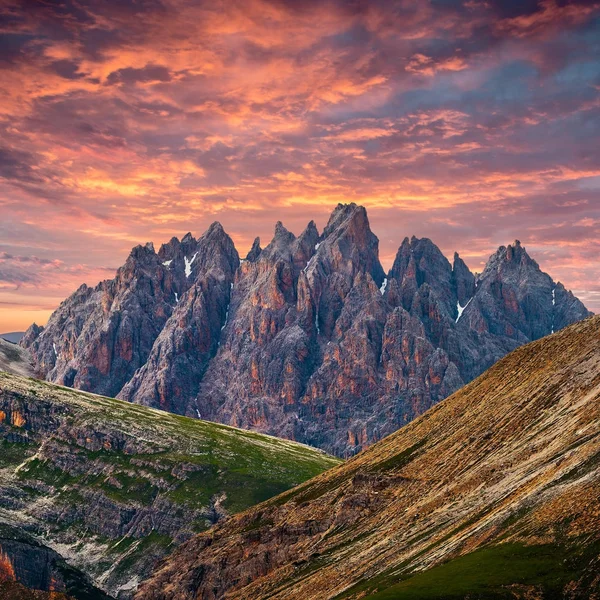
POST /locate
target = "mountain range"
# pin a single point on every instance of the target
(307, 338)
(492, 494)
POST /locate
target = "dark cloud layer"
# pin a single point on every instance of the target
(469, 122)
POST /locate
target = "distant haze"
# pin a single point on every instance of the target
(14, 337)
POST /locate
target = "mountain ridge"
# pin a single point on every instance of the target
(307, 338)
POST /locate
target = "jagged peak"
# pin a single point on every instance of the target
(418, 247)
(281, 229)
(141, 251)
(35, 327)
(513, 254)
(255, 251)
(309, 231)
(458, 262)
(280, 245)
(169, 248)
(215, 228)
(188, 237)
(281, 235)
(30, 335)
(215, 234)
(345, 214)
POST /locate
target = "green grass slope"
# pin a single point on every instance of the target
(114, 486)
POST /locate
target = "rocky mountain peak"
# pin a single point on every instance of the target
(310, 232)
(32, 333)
(419, 262)
(255, 251)
(463, 280)
(187, 238)
(345, 218)
(513, 256)
(303, 339)
(141, 252)
(280, 244)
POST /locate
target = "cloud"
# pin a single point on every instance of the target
(470, 122)
(147, 74)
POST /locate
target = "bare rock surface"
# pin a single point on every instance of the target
(31, 571)
(306, 338)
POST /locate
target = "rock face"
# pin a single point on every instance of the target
(307, 338)
(26, 565)
(190, 337)
(98, 338)
(113, 486)
(493, 493)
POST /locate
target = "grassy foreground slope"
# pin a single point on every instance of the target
(494, 493)
(114, 486)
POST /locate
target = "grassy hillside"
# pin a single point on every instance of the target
(494, 493)
(114, 486)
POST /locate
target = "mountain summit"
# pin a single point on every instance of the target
(307, 338)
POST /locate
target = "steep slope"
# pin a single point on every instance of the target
(29, 570)
(515, 302)
(14, 359)
(306, 338)
(180, 355)
(113, 486)
(493, 493)
(98, 338)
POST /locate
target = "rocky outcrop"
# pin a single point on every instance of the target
(494, 491)
(28, 567)
(113, 486)
(306, 338)
(100, 336)
(180, 355)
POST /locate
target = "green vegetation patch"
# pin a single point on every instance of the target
(13, 454)
(489, 572)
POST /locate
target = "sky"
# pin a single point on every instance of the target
(469, 122)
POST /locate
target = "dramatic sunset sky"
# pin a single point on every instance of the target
(469, 122)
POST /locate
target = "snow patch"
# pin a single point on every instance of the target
(461, 309)
(309, 263)
(383, 286)
(176, 297)
(54, 348)
(167, 263)
(553, 304)
(317, 245)
(188, 264)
